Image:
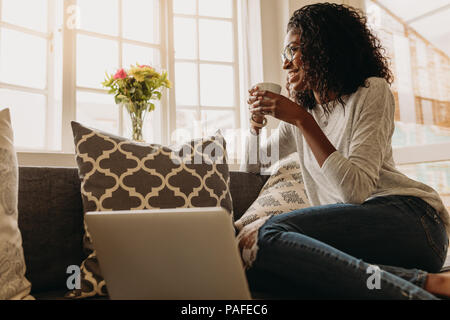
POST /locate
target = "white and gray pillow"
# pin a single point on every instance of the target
(283, 192)
(13, 284)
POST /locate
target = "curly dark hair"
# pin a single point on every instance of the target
(338, 52)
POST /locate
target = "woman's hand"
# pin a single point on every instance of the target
(278, 106)
(257, 117)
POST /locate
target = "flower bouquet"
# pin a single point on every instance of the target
(135, 89)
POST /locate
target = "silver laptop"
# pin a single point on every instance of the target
(172, 254)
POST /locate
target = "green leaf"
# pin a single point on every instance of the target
(158, 94)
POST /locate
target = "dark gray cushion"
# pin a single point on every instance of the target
(244, 188)
(51, 222)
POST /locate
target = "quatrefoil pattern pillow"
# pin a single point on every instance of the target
(119, 174)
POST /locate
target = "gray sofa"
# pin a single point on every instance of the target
(51, 222)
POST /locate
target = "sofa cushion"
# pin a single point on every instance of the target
(244, 188)
(13, 284)
(119, 174)
(51, 222)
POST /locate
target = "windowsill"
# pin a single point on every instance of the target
(63, 159)
(46, 159)
(402, 155)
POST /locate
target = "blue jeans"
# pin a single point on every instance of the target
(330, 251)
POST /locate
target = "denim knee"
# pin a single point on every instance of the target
(271, 229)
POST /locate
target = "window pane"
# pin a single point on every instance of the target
(213, 120)
(186, 118)
(216, 41)
(184, 6)
(216, 119)
(186, 84)
(28, 113)
(23, 59)
(215, 8)
(413, 134)
(185, 39)
(141, 20)
(421, 79)
(95, 57)
(216, 85)
(434, 174)
(151, 130)
(188, 126)
(98, 111)
(137, 54)
(99, 16)
(33, 17)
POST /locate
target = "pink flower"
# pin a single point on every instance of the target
(145, 66)
(120, 74)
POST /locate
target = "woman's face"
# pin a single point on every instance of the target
(295, 76)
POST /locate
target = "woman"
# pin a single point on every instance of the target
(340, 120)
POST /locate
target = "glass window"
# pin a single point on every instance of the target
(215, 8)
(98, 111)
(99, 16)
(25, 13)
(28, 117)
(185, 38)
(216, 40)
(95, 56)
(133, 54)
(184, 6)
(421, 78)
(205, 70)
(186, 81)
(216, 85)
(23, 59)
(141, 20)
(106, 35)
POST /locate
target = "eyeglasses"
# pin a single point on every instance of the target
(288, 53)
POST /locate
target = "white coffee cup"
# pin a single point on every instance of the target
(269, 86)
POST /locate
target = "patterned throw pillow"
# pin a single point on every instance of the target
(13, 284)
(283, 192)
(118, 174)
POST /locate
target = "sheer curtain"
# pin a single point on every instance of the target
(250, 53)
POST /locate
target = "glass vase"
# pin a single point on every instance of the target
(137, 112)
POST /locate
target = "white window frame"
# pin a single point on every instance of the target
(198, 62)
(48, 91)
(70, 87)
